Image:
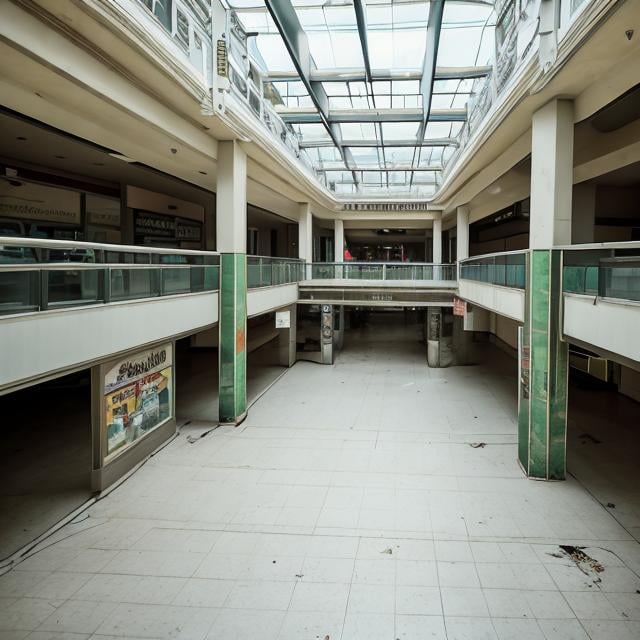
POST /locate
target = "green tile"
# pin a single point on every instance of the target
(544, 415)
(233, 332)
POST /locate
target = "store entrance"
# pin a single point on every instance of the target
(45, 457)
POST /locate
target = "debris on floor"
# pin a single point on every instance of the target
(588, 565)
(611, 505)
(478, 445)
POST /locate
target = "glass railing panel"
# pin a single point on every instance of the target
(19, 291)
(254, 274)
(580, 279)
(622, 282)
(506, 270)
(265, 271)
(11, 254)
(205, 278)
(127, 284)
(74, 286)
(176, 280)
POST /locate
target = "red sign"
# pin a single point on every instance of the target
(459, 307)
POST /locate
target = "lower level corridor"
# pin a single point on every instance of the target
(372, 499)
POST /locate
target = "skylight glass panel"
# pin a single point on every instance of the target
(398, 155)
(399, 130)
(358, 131)
(328, 154)
(311, 131)
(465, 35)
(365, 157)
(438, 130)
(274, 52)
(405, 87)
(372, 177)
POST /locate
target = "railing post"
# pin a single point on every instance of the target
(106, 284)
(44, 289)
(384, 272)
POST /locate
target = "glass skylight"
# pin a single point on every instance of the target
(356, 97)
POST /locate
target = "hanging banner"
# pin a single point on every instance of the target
(138, 396)
(459, 307)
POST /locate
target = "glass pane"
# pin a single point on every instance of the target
(134, 283)
(68, 287)
(19, 291)
(176, 281)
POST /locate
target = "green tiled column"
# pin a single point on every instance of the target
(542, 417)
(233, 338)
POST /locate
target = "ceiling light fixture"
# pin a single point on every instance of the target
(119, 156)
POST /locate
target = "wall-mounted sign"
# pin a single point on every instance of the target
(155, 225)
(138, 396)
(31, 201)
(326, 322)
(379, 206)
(459, 306)
(283, 319)
(101, 211)
(222, 60)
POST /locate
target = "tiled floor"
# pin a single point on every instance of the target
(350, 504)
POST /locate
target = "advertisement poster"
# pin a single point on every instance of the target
(137, 396)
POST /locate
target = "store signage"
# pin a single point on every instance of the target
(222, 61)
(104, 212)
(154, 225)
(459, 307)
(31, 201)
(138, 396)
(379, 206)
(283, 319)
(140, 364)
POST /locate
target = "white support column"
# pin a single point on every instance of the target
(231, 224)
(462, 232)
(231, 198)
(437, 240)
(551, 175)
(305, 233)
(338, 241)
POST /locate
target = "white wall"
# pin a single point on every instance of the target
(507, 331)
(270, 298)
(612, 326)
(38, 344)
(502, 300)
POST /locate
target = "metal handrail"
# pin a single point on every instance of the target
(396, 263)
(45, 243)
(495, 254)
(275, 259)
(88, 266)
(628, 244)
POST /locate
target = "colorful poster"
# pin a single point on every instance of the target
(138, 394)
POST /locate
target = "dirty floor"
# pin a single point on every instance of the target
(349, 505)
